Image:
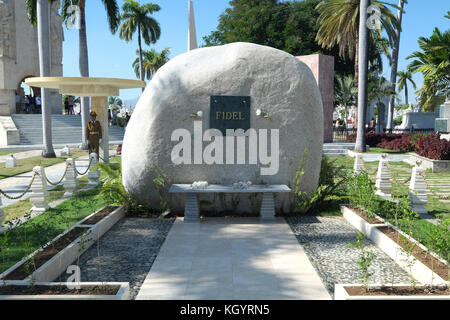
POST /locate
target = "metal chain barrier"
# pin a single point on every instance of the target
(395, 180)
(60, 180)
(23, 193)
(89, 166)
(433, 192)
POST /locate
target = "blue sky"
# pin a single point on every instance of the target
(110, 56)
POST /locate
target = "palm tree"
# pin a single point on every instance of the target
(394, 62)
(339, 25)
(137, 17)
(345, 92)
(403, 78)
(38, 15)
(112, 10)
(433, 61)
(151, 61)
(115, 101)
(363, 53)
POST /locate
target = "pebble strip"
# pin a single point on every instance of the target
(125, 253)
(325, 241)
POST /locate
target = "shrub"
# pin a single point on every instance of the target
(433, 147)
(114, 191)
(400, 144)
(331, 183)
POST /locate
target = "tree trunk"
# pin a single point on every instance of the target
(43, 22)
(363, 53)
(141, 62)
(84, 71)
(356, 73)
(406, 93)
(394, 66)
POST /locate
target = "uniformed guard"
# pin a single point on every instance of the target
(94, 134)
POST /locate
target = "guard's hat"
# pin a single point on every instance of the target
(93, 114)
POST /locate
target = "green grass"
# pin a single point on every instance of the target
(5, 153)
(382, 150)
(400, 171)
(25, 165)
(35, 233)
(22, 207)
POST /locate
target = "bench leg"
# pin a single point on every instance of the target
(191, 209)
(267, 208)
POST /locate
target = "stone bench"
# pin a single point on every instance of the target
(191, 205)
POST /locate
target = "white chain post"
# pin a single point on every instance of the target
(39, 193)
(2, 214)
(383, 182)
(418, 189)
(93, 175)
(358, 165)
(70, 180)
(11, 162)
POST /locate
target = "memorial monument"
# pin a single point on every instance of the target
(265, 100)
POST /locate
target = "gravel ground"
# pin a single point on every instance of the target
(325, 240)
(125, 253)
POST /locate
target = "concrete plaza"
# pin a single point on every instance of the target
(232, 258)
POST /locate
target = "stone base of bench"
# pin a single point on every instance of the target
(192, 207)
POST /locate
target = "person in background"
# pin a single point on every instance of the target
(372, 124)
(127, 118)
(38, 105)
(66, 106)
(32, 104)
(27, 104)
(109, 117)
(94, 134)
(114, 117)
(70, 105)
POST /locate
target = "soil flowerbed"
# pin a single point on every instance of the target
(57, 290)
(398, 291)
(364, 215)
(46, 254)
(99, 215)
(426, 258)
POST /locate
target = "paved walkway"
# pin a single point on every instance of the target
(232, 258)
(15, 185)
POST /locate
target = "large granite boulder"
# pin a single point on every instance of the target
(278, 84)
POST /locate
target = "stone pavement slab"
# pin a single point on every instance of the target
(232, 258)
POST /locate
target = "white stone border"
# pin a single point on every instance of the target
(419, 271)
(434, 165)
(341, 294)
(51, 269)
(122, 294)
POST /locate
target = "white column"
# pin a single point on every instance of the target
(191, 208)
(267, 212)
(383, 182)
(70, 180)
(39, 193)
(418, 190)
(93, 176)
(358, 165)
(2, 214)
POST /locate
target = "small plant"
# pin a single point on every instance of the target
(83, 241)
(161, 183)
(362, 193)
(331, 183)
(365, 258)
(407, 222)
(114, 191)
